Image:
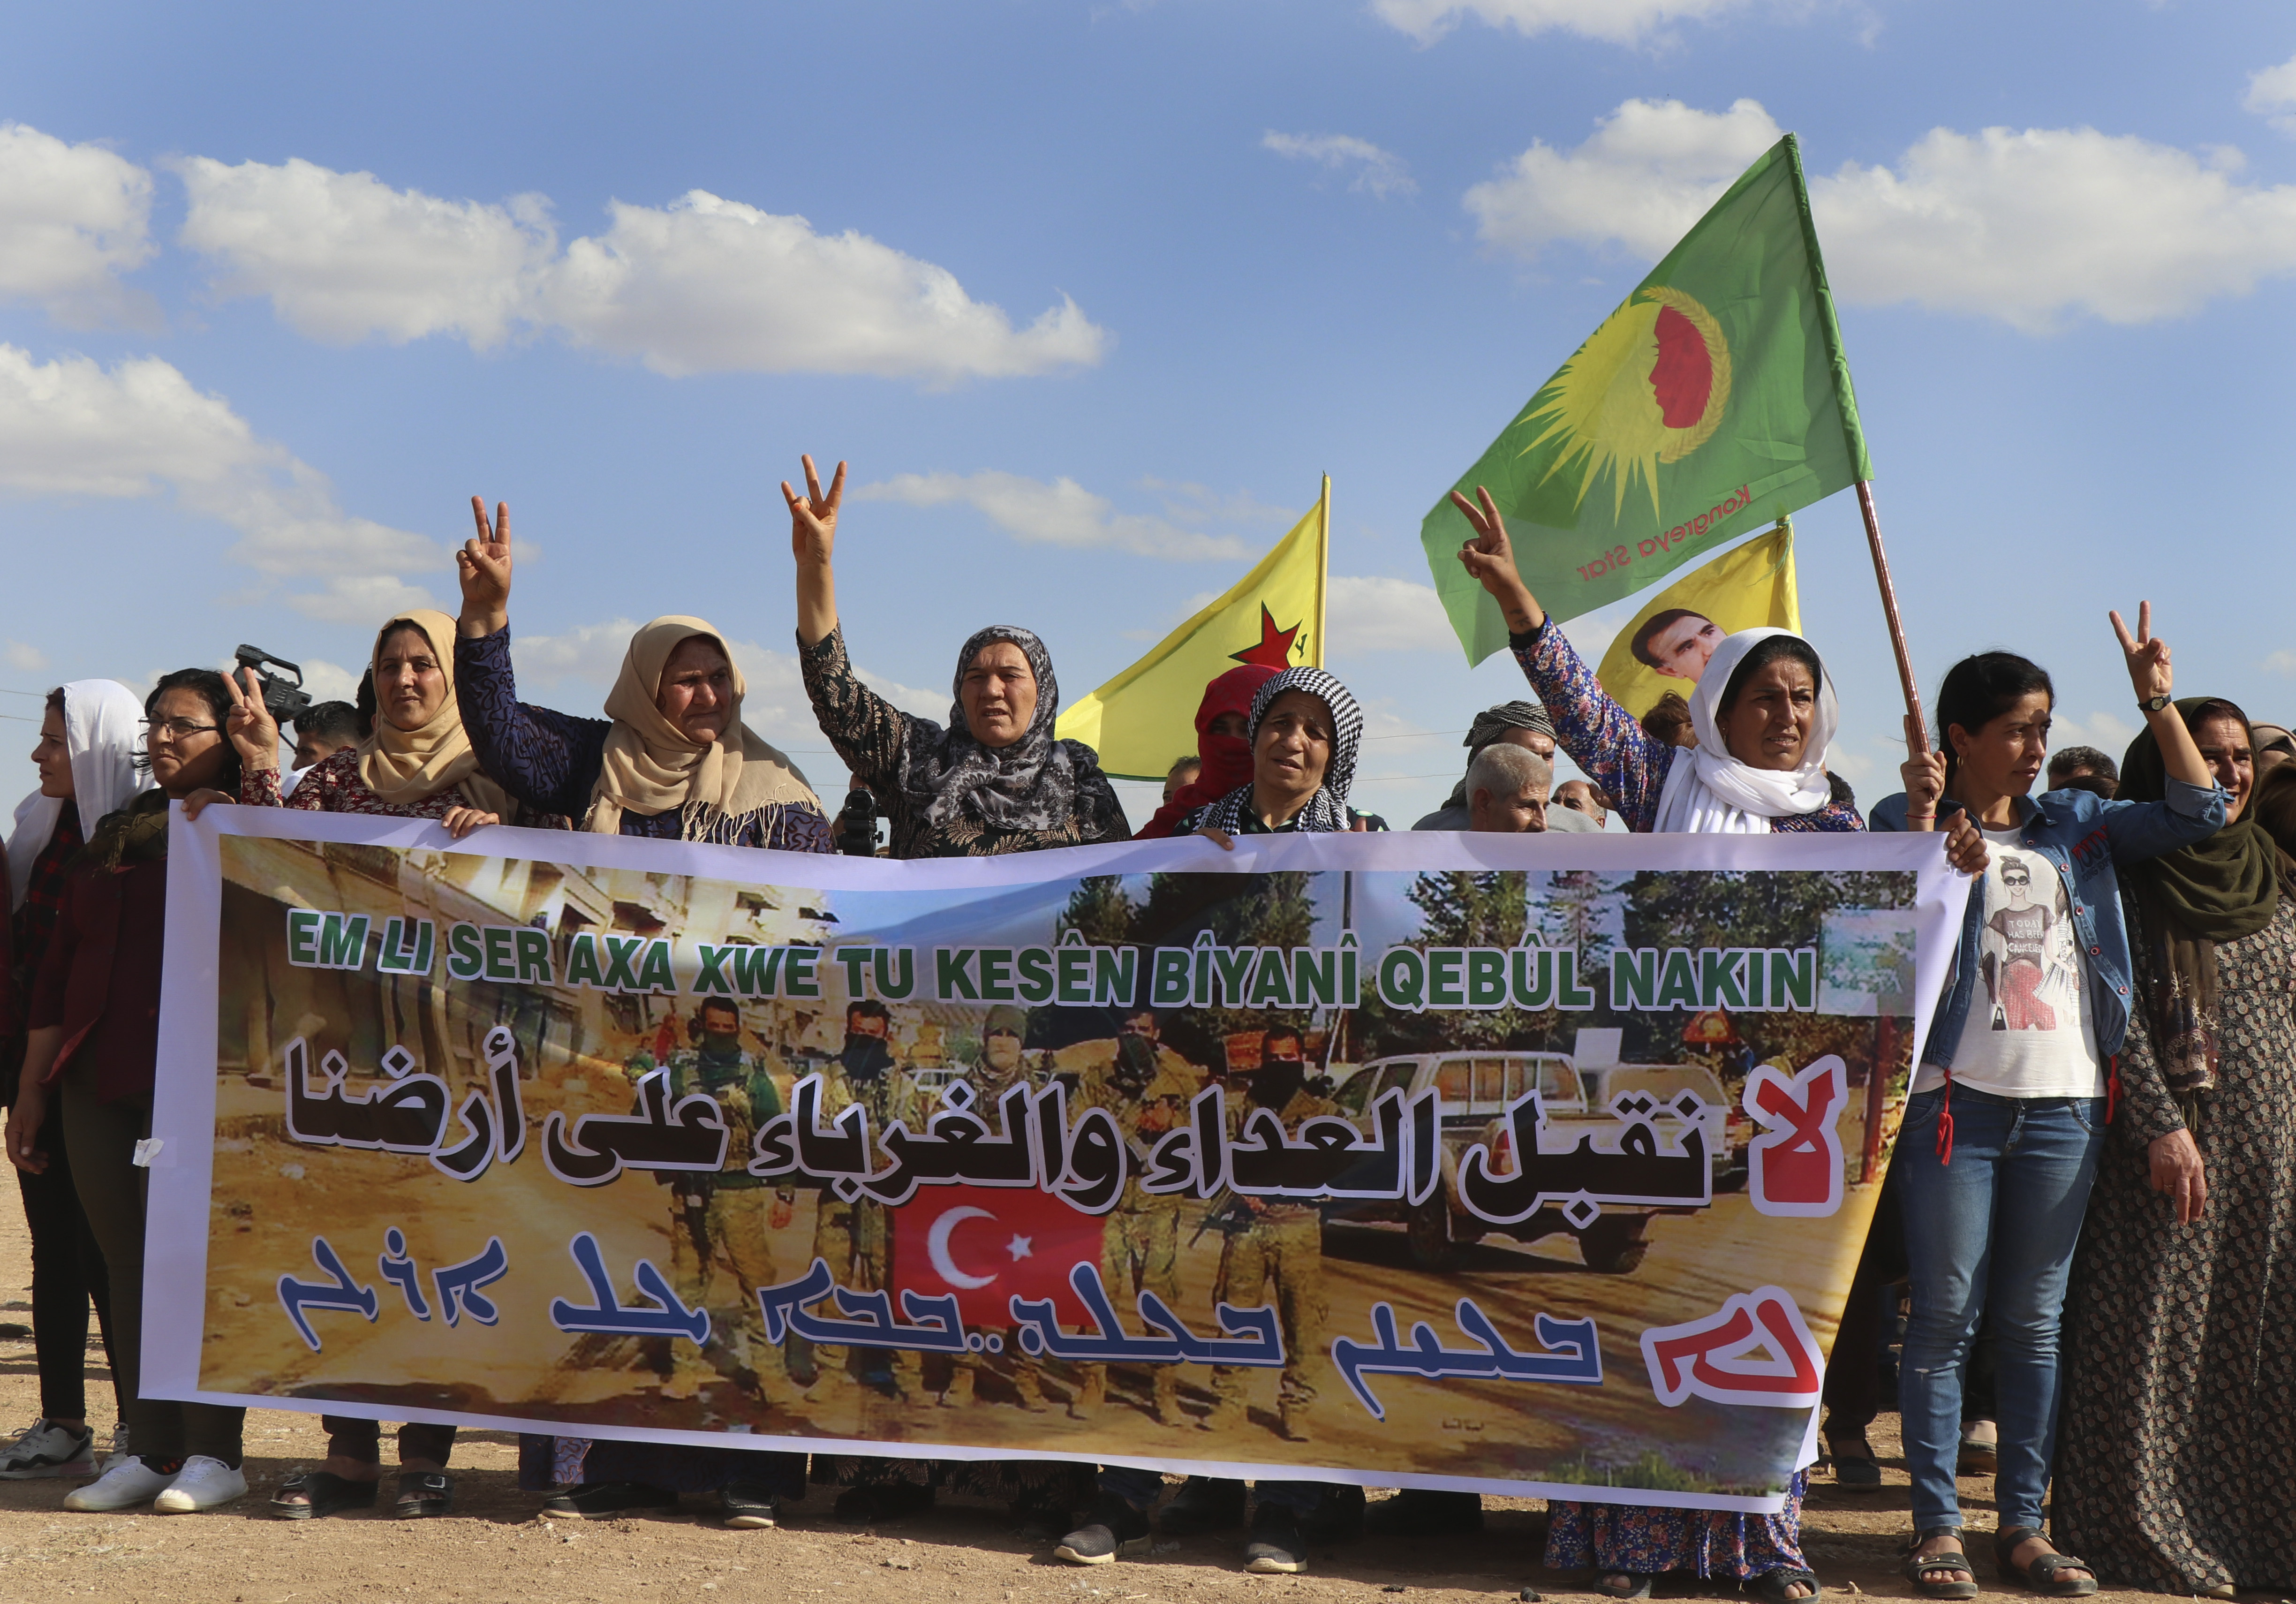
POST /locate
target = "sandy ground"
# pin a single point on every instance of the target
(495, 1547)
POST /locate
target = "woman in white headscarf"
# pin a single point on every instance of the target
(86, 760)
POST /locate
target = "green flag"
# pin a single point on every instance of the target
(1713, 402)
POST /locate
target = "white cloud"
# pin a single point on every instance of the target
(1062, 513)
(2272, 94)
(28, 658)
(331, 682)
(1381, 172)
(2282, 663)
(72, 218)
(701, 285)
(70, 428)
(2103, 730)
(1379, 614)
(2024, 226)
(1615, 21)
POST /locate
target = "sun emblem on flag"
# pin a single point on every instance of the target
(1650, 386)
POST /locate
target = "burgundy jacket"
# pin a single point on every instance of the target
(99, 977)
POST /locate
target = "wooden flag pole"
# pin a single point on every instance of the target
(1917, 729)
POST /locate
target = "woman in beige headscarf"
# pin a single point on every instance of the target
(417, 763)
(671, 759)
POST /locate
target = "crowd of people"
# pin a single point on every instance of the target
(2088, 1223)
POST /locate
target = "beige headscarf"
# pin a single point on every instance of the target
(651, 767)
(405, 766)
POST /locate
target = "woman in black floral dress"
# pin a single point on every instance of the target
(2177, 1469)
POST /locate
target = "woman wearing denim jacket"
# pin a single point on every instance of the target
(2007, 1118)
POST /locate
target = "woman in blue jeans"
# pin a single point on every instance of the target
(2008, 1108)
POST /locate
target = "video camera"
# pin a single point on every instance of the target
(856, 824)
(283, 697)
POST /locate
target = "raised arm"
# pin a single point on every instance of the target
(1600, 735)
(2149, 673)
(2193, 808)
(813, 542)
(868, 732)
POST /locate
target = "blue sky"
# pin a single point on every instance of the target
(1091, 293)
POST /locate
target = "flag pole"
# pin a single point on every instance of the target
(1917, 732)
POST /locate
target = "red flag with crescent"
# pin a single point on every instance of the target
(989, 1245)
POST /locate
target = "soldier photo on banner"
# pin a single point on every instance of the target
(1363, 1156)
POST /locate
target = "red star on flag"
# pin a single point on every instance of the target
(1274, 648)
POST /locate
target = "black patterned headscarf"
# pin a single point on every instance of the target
(1031, 784)
(1327, 809)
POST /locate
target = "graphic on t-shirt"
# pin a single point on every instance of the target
(2020, 958)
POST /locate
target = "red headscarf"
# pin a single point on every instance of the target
(1226, 758)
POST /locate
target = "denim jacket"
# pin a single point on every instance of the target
(2085, 836)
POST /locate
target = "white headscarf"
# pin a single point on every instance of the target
(1710, 792)
(102, 724)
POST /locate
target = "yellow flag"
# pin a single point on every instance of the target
(1145, 718)
(1666, 646)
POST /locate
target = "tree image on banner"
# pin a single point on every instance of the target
(1714, 401)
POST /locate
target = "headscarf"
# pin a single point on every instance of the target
(651, 767)
(1489, 725)
(406, 765)
(1226, 758)
(103, 726)
(1327, 809)
(2218, 890)
(1708, 791)
(1031, 784)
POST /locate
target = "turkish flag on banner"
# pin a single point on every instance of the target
(988, 1244)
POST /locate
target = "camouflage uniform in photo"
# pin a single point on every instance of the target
(855, 1238)
(987, 1088)
(1283, 1243)
(721, 1246)
(1140, 1245)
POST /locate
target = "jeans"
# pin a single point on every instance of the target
(1991, 1233)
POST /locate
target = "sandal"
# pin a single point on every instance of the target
(324, 1493)
(2044, 1572)
(1918, 1566)
(1771, 1586)
(1637, 1584)
(1855, 1472)
(423, 1493)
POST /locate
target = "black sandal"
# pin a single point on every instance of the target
(1918, 1564)
(326, 1493)
(1771, 1586)
(1854, 1472)
(1638, 1585)
(423, 1493)
(2044, 1572)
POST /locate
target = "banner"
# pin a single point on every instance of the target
(1535, 1164)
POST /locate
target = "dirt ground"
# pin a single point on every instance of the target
(495, 1547)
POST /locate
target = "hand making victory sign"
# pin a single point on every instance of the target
(813, 542)
(483, 566)
(2149, 672)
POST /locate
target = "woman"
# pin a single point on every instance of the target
(2007, 1112)
(86, 758)
(1304, 730)
(1763, 713)
(99, 987)
(996, 779)
(417, 763)
(1223, 748)
(2181, 1329)
(671, 760)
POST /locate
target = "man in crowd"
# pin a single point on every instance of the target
(2076, 763)
(1518, 724)
(1507, 790)
(321, 730)
(1582, 798)
(1183, 772)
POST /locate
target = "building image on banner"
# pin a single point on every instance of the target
(1352, 1158)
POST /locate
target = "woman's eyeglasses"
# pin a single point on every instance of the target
(177, 729)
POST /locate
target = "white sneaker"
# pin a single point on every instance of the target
(42, 1449)
(203, 1484)
(118, 1454)
(122, 1488)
